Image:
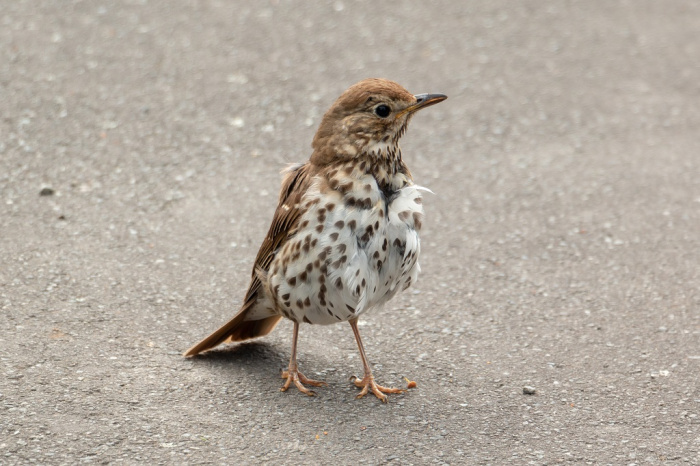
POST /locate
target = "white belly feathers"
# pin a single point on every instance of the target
(351, 252)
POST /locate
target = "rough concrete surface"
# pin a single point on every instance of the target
(561, 251)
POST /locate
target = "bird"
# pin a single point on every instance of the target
(345, 235)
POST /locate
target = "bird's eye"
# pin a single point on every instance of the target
(382, 111)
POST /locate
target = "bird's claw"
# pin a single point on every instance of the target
(299, 380)
(368, 384)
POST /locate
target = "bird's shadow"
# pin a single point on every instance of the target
(256, 356)
(259, 361)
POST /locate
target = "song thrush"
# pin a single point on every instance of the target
(344, 237)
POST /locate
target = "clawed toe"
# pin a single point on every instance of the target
(299, 380)
(368, 384)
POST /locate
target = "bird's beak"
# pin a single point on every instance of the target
(422, 101)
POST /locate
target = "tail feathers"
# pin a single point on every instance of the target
(253, 329)
(236, 329)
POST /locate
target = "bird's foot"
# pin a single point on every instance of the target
(299, 380)
(368, 384)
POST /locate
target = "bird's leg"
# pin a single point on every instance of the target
(367, 382)
(292, 374)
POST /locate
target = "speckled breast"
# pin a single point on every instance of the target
(354, 248)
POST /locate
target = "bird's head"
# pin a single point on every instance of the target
(367, 120)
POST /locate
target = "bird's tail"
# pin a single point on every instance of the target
(236, 329)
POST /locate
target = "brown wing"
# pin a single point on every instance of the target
(295, 183)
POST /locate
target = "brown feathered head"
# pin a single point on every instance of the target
(367, 119)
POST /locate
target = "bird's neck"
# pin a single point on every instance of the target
(385, 166)
(384, 163)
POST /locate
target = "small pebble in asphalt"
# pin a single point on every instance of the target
(528, 390)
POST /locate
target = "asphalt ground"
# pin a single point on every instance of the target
(561, 250)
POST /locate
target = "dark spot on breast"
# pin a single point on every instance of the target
(384, 244)
(376, 225)
(341, 248)
(306, 248)
(339, 283)
(357, 290)
(352, 224)
(319, 228)
(417, 220)
(303, 276)
(292, 281)
(418, 200)
(330, 207)
(303, 224)
(322, 279)
(368, 187)
(364, 283)
(334, 236)
(403, 216)
(376, 254)
(306, 319)
(339, 224)
(317, 263)
(314, 242)
(285, 296)
(300, 304)
(307, 302)
(345, 187)
(350, 308)
(309, 267)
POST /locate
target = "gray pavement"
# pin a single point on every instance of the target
(561, 250)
